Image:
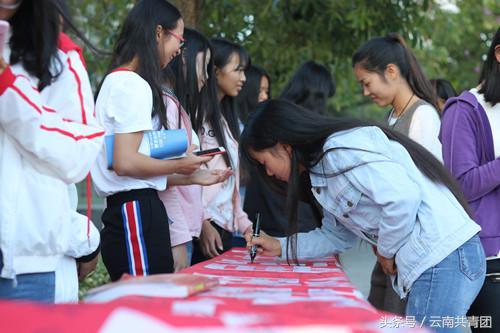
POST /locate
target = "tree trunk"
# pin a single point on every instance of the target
(191, 11)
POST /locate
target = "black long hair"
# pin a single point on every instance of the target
(222, 52)
(378, 52)
(248, 98)
(310, 86)
(490, 74)
(444, 89)
(138, 39)
(280, 121)
(65, 11)
(201, 105)
(186, 76)
(35, 35)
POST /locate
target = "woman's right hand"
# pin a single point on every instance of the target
(266, 245)
(179, 253)
(388, 264)
(191, 162)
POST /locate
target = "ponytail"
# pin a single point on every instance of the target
(415, 76)
(378, 52)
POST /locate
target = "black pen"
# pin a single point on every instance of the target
(256, 233)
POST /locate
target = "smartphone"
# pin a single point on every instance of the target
(4, 32)
(210, 152)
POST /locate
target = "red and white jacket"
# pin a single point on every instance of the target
(48, 140)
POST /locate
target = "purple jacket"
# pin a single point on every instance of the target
(468, 154)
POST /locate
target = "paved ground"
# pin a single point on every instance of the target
(358, 264)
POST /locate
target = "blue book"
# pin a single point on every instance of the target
(162, 144)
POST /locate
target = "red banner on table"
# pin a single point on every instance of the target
(266, 296)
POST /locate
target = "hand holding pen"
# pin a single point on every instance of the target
(256, 234)
(263, 244)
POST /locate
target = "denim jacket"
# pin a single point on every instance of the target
(384, 199)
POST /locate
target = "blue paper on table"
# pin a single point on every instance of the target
(162, 144)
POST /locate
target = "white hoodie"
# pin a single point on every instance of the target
(41, 152)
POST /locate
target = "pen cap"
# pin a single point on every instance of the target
(256, 230)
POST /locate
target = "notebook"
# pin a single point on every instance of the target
(161, 144)
(160, 285)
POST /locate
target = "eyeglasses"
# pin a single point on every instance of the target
(13, 6)
(179, 38)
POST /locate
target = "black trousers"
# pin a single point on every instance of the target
(227, 244)
(487, 303)
(136, 237)
(382, 295)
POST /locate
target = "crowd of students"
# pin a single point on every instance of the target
(423, 189)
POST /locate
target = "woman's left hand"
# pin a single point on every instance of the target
(388, 265)
(3, 65)
(248, 231)
(85, 268)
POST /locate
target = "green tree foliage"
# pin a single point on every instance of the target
(100, 21)
(281, 34)
(455, 43)
(95, 279)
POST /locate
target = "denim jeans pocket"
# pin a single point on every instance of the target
(472, 260)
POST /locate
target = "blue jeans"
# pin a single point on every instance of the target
(40, 287)
(189, 250)
(448, 289)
